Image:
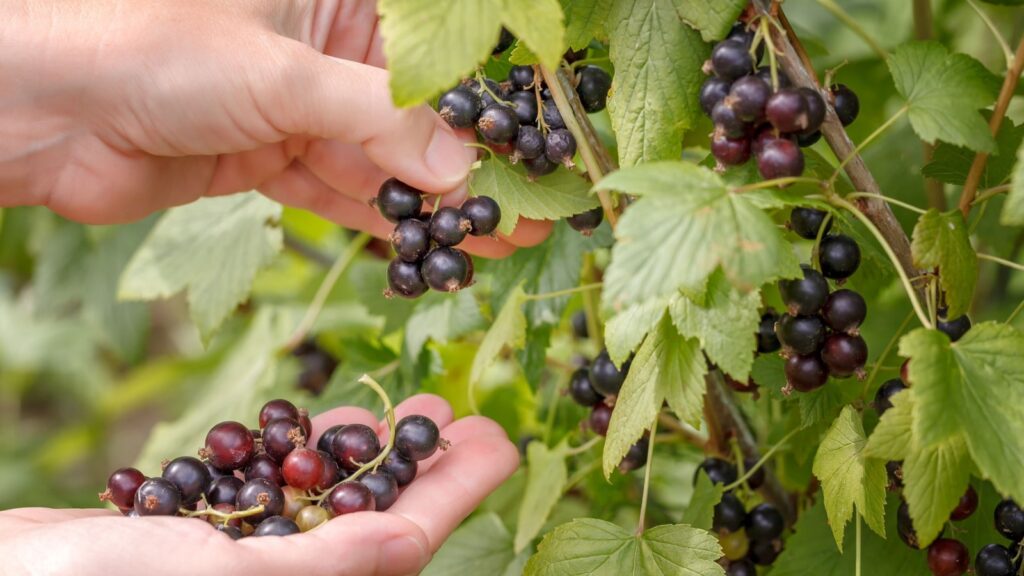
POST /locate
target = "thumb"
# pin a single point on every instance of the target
(316, 95)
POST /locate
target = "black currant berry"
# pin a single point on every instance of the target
(405, 279)
(397, 200)
(281, 436)
(806, 222)
(729, 515)
(157, 497)
(317, 369)
(966, 506)
(905, 526)
(713, 91)
(719, 471)
(740, 33)
(459, 107)
(223, 490)
(324, 443)
(229, 446)
(411, 240)
(599, 419)
(230, 531)
(839, 256)
(767, 340)
(731, 59)
(560, 147)
(279, 408)
(332, 473)
(579, 325)
(748, 97)
(806, 373)
(801, 334)
(530, 144)
(727, 122)
(521, 77)
(302, 468)
(486, 91)
(844, 311)
(815, 106)
(883, 398)
(948, 557)
(260, 492)
(592, 86)
(586, 222)
(122, 485)
(355, 445)
(552, 117)
(786, 110)
(277, 526)
(446, 269)
(1010, 520)
(449, 226)
(384, 487)
(741, 568)
(764, 552)
(844, 354)
(606, 378)
(263, 466)
(780, 158)
(505, 41)
(994, 560)
(955, 328)
(636, 456)
(417, 437)
(349, 497)
(539, 166)
(805, 139)
(190, 476)
(846, 103)
(730, 151)
(483, 214)
(765, 74)
(765, 522)
(525, 105)
(582, 391)
(805, 295)
(402, 469)
(498, 124)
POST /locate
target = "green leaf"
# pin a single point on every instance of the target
(508, 329)
(714, 18)
(538, 24)
(950, 164)
(592, 547)
(944, 93)
(559, 195)
(442, 317)
(821, 405)
(626, 330)
(724, 321)
(521, 56)
(700, 512)
(941, 240)
(685, 225)
(585, 19)
(891, 438)
(936, 383)
(1013, 209)
(667, 367)
(212, 248)
(934, 479)
(654, 92)
(545, 481)
(480, 546)
(848, 479)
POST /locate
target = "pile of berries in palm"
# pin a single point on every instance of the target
(269, 482)
(749, 538)
(756, 115)
(425, 243)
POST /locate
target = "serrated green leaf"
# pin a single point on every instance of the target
(934, 374)
(1013, 209)
(934, 479)
(521, 56)
(559, 195)
(848, 480)
(538, 24)
(546, 474)
(713, 18)
(213, 249)
(654, 93)
(950, 164)
(700, 512)
(769, 372)
(626, 330)
(821, 405)
(592, 547)
(585, 19)
(441, 317)
(508, 329)
(667, 367)
(480, 546)
(891, 439)
(685, 225)
(941, 240)
(924, 73)
(724, 321)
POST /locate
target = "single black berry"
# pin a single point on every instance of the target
(355, 445)
(223, 490)
(190, 476)
(483, 214)
(804, 295)
(844, 311)
(801, 334)
(505, 41)
(730, 151)
(767, 340)
(805, 139)
(539, 166)
(332, 473)
(1010, 520)
(846, 103)
(281, 436)
(713, 91)
(263, 466)
(232, 532)
(521, 77)
(966, 506)
(349, 497)
(459, 107)
(764, 522)
(449, 226)
(405, 279)
(560, 147)
(636, 456)
(806, 373)
(582, 391)
(397, 200)
(756, 480)
(729, 515)
(417, 437)
(592, 86)
(839, 256)
(276, 526)
(599, 419)
(948, 557)
(384, 487)
(727, 122)
(765, 552)
(955, 328)
(994, 560)
(402, 469)
(587, 222)
(486, 91)
(815, 105)
(446, 269)
(743, 567)
(279, 408)
(883, 398)
(122, 485)
(579, 325)
(786, 110)
(525, 105)
(719, 471)
(324, 443)
(731, 59)
(530, 144)
(806, 222)
(498, 124)
(780, 158)
(157, 497)
(844, 354)
(552, 117)
(765, 74)
(606, 378)
(411, 240)
(748, 97)
(229, 446)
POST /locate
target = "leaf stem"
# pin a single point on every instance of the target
(590, 303)
(854, 27)
(1007, 52)
(776, 183)
(885, 198)
(856, 569)
(582, 473)
(586, 446)
(888, 348)
(1002, 261)
(1016, 311)
(860, 147)
(761, 462)
(647, 480)
(560, 293)
(989, 193)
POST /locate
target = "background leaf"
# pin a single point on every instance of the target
(941, 241)
(546, 474)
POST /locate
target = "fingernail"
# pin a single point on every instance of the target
(404, 555)
(448, 158)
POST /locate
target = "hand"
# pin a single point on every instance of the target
(449, 485)
(114, 110)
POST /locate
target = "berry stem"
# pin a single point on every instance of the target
(684, 431)
(854, 27)
(647, 480)
(885, 198)
(566, 292)
(775, 183)
(761, 462)
(1002, 261)
(1016, 311)
(885, 352)
(223, 516)
(860, 147)
(480, 78)
(764, 30)
(988, 194)
(586, 446)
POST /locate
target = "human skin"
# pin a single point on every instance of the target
(448, 486)
(113, 109)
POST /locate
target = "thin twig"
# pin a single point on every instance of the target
(1002, 261)
(1007, 53)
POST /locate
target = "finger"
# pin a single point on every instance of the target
(434, 407)
(344, 415)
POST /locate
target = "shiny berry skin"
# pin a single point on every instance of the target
(636, 456)
(411, 240)
(349, 497)
(586, 222)
(955, 328)
(905, 526)
(505, 41)
(560, 146)
(279, 408)
(806, 373)
(121, 487)
(805, 139)
(846, 103)
(521, 77)
(302, 468)
(417, 437)
(764, 552)
(459, 107)
(815, 106)
(405, 279)
(748, 97)
(719, 471)
(948, 557)
(277, 526)
(230, 531)
(331, 474)
(1010, 520)
(355, 445)
(966, 506)
(839, 256)
(730, 515)
(730, 151)
(844, 354)
(281, 436)
(731, 59)
(756, 479)
(223, 490)
(592, 86)
(994, 560)
(402, 469)
(525, 106)
(263, 466)
(397, 200)
(579, 326)
(806, 222)
(229, 446)
(727, 122)
(384, 487)
(765, 74)
(801, 334)
(767, 340)
(190, 476)
(805, 295)
(735, 545)
(713, 91)
(449, 226)
(764, 522)
(741, 568)
(599, 419)
(786, 110)
(483, 214)
(445, 269)
(539, 166)
(844, 310)
(324, 443)
(530, 143)
(780, 158)
(157, 497)
(469, 267)
(582, 391)
(883, 398)
(552, 117)
(260, 492)
(605, 377)
(485, 95)
(740, 33)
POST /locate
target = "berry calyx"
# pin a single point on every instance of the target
(445, 269)
(483, 214)
(804, 296)
(459, 107)
(839, 256)
(498, 124)
(411, 240)
(398, 201)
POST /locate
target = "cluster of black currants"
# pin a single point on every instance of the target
(748, 538)
(595, 387)
(317, 365)
(754, 115)
(518, 117)
(268, 482)
(425, 242)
